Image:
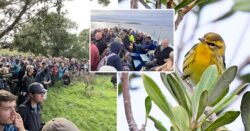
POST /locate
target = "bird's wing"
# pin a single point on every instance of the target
(224, 62)
(189, 59)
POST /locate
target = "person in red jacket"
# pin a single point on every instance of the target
(95, 57)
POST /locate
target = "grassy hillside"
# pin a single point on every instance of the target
(91, 110)
(14, 52)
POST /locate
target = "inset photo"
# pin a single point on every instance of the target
(126, 40)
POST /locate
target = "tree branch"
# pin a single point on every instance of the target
(182, 12)
(134, 4)
(127, 104)
(158, 4)
(18, 18)
(145, 4)
(169, 4)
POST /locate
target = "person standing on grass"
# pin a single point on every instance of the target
(61, 71)
(66, 78)
(28, 79)
(44, 78)
(10, 120)
(30, 109)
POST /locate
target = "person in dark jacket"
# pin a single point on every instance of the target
(44, 78)
(30, 109)
(28, 79)
(115, 60)
(66, 78)
(21, 73)
(161, 55)
(100, 42)
(114, 80)
(145, 46)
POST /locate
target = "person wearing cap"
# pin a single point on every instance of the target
(60, 124)
(30, 109)
(10, 120)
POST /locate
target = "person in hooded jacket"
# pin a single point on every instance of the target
(114, 60)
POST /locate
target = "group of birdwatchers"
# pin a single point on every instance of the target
(24, 82)
(112, 48)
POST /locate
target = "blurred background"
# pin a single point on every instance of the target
(158, 23)
(230, 19)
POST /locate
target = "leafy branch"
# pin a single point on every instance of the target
(196, 109)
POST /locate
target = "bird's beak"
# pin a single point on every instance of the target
(201, 39)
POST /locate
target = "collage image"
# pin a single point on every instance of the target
(124, 65)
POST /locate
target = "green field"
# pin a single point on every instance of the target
(13, 52)
(91, 110)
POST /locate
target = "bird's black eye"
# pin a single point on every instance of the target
(211, 44)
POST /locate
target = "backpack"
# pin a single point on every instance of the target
(104, 60)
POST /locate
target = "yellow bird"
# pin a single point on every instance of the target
(210, 50)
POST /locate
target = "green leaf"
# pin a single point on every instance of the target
(242, 5)
(165, 82)
(205, 125)
(149, 1)
(180, 81)
(181, 118)
(156, 95)
(238, 90)
(133, 76)
(245, 110)
(183, 4)
(172, 128)
(206, 82)
(148, 105)
(220, 89)
(179, 93)
(202, 104)
(224, 103)
(164, 2)
(218, 99)
(224, 119)
(225, 16)
(245, 78)
(158, 124)
(204, 3)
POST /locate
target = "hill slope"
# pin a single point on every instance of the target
(93, 110)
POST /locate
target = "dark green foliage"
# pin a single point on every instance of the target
(48, 34)
(245, 110)
(104, 2)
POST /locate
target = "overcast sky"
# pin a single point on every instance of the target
(79, 11)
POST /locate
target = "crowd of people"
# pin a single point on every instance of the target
(28, 117)
(27, 80)
(112, 48)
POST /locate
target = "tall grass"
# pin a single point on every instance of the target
(94, 112)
